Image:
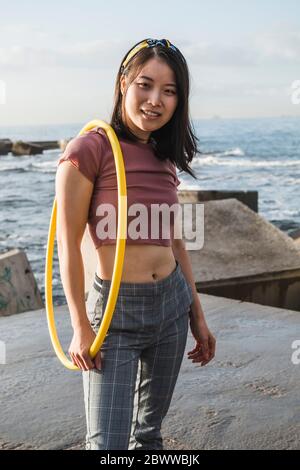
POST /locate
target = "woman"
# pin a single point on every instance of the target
(157, 294)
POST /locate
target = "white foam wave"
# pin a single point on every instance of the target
(236, 152)
(215, 161)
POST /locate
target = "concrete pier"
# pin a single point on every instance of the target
(247, 397)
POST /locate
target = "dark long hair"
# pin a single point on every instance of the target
(176, 140)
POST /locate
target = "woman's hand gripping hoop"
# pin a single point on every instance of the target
(119, 258)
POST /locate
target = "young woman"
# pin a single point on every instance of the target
(157, 296)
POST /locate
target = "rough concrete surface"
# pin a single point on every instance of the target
(247, 397)
(237, 242)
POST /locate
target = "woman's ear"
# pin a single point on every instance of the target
(122, 84)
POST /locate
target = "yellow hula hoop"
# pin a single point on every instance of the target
(119, 258)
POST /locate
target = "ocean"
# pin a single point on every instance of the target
(260, 154)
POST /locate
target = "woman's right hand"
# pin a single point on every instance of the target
(79, 348)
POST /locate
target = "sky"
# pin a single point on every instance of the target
(59, 59)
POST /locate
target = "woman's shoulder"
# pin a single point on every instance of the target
(91, 137)
(93, 142)
(86, 152)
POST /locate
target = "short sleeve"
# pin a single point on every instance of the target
(84, 152)
(177, 180)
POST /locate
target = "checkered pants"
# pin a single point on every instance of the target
(126, 401)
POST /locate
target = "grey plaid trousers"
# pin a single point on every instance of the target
(126, 401)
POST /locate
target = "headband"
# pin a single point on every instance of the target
(148, 43)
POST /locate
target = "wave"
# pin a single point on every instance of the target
(216, 161)
(48, 164)
(38, 167)
(9, 168)
(236, 152)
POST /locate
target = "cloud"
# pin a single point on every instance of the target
(283, 46)
(22, 29)
(92, 54)
(222, 88)
(219, 55)
(275, 47)
(264, 91)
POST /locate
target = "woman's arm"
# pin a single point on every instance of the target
(73, 195)
(180, 253)
(204, 350)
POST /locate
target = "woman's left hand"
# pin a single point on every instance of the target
(205, 347)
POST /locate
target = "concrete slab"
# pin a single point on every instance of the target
(19, 291)
(243, 256)
(249, 198)
(246, 398)
(297, 243)
(240, 242)
(295, 234)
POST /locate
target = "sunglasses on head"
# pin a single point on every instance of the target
(149, 43)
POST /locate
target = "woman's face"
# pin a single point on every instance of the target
(155, 93)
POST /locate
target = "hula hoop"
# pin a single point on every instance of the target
(119, 258)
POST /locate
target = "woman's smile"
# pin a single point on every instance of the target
(149, 115)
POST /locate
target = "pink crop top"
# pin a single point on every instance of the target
(150, 182)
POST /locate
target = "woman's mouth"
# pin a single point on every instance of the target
(149, 115)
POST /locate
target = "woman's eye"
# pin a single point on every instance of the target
(146, 84)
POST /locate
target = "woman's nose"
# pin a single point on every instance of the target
(154, 98)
